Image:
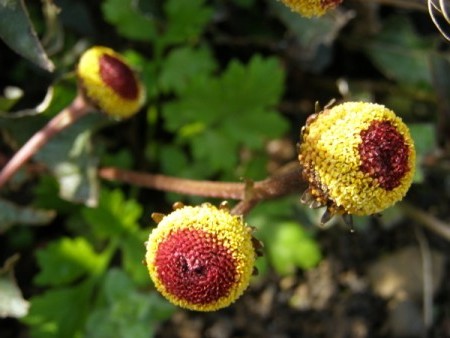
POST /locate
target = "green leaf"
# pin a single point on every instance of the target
(46, 195)
(257, 84)
(126, 312)
(291, 247)
(288, 244)
(66, 260)
(117, 285)
(11, 214)
(18, 33)
(114, 216)
(172, 159)
(397, 50)
(60, 313)
(186, 20)
(128, 20)
(216, 150)
(121, 159)
(133, 253)
(220, 115)
(183, 64)
(254, 129)
(242, 89)
(12, 303)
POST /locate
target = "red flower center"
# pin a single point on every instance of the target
(118, 76)
(384, 154)
(194, 266)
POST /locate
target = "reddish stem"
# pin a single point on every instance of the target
(174, 184)
(78, 108)
(283, 183)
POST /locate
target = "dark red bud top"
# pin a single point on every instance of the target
(384, 154)
(119, 77)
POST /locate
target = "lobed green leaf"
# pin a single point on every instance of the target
(66, 260)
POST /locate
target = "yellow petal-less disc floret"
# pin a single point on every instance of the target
(109, 83)
(201, 258)
(311, 8)
(358, 158)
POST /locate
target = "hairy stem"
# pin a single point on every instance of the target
(287, 181)
(78, 108)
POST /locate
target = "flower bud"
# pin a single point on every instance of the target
(310, 8)
(357, 157)
(200, 258)
(109, 83)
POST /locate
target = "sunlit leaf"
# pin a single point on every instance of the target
(288, 245)
(291, 247)
(66, 260)
(114, 216)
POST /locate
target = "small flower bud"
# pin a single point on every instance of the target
(200, 258)
(109, 83)
(310, 8)
(357, 157)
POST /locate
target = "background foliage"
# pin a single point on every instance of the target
(229, 84)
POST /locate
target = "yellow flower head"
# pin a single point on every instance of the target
(310, 8)
(109, 83)
(201, 258)
(357, 157)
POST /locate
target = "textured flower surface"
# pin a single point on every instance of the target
(357, 157)
(310, 8)
(109, 83)
(201, 258)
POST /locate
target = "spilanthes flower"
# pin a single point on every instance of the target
(109, 83)
(357, 157)
(310, 8)
(200, 258)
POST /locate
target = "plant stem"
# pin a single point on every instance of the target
(78, 108)
(287, 181)
(427, 277)
(427, 220)
(174, 184)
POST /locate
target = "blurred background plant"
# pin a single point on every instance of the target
(229, 85)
